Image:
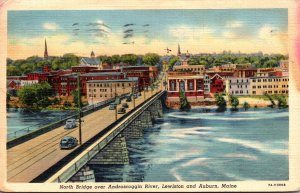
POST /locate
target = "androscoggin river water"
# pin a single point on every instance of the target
(197, 146)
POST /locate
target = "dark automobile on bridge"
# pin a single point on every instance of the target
(68, 142)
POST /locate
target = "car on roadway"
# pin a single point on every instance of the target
(128, 98)
(112, 106)
(118, 100)
(135, 96)
(125, 105)
(139, 94)
(68, 142)
(121, 110)
(70, 124)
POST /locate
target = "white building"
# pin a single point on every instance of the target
(206, 84)
(101, 90)
(28, 82)
(238, 86)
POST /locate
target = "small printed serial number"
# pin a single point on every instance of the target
(283, 184)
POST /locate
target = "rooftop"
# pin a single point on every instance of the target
(133, 79)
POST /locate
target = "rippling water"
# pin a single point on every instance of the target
(18, 119)
(198, 146)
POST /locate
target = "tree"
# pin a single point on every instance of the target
(184, 103)
(173, 61)
(221, 102)
(75, 98)
(151, 59)
(131, 59)
(116, 59)
(7, 97)
(36, 95)
(246, 106)
(193, 61)
(67, 104)
(234, 102)
(281, 102)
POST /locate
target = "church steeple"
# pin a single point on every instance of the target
(46, 51)
(92, 54)
(178, 52)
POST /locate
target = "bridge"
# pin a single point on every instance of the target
(40, 159)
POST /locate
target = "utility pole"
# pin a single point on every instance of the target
(144, 89)
(133, 89)
(79, 108)
(116, 110)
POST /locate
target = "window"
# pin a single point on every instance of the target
(181, 85)
(253, 80)
(253, 86)
(191, 85)
(253, 92)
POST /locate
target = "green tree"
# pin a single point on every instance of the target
(246, 106)
(193, 61)
(281, 102)
(234, 102)
(106, 59)
(75, 98)
(36, 95)
(173, 61)
(8, 97)
(116, 59)
(184, 103)
(67, 104)
(151, 59)
(131, 59)
(221, 102)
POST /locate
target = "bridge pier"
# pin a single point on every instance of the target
(84, 175)
(115, 152)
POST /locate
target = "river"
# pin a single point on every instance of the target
(18, 120)
(207, 146)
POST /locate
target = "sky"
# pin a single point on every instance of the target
(106, 33)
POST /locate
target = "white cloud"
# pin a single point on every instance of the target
(229, 34)
(267, 32)
(234, 24)
(50, 26)
(188, 32)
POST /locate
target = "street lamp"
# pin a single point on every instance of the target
(79, 109)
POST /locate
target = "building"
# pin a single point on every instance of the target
(83, 69)
(238, 86)
(206, 84)
(13, 86)
(271, 85)
(101, 90)
(90, 61)
(200, 69)
(284, 64)
(244, 72)
(190, 83)
(28, 82)
(217, 84)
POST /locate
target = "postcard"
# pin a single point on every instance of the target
(150, 96)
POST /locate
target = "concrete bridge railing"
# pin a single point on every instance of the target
(100, 152)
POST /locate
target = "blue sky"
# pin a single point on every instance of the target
(79, 32)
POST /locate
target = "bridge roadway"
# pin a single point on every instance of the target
(31, 158)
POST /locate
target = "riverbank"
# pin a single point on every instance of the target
(14, 102)
(253, 101)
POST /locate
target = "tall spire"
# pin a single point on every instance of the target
(178, 52)
(46, 51)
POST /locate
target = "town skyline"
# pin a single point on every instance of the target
(138, 32)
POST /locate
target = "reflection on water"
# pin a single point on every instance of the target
(206, 146)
